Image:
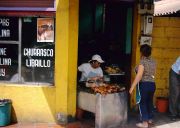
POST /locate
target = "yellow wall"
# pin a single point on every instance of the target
(66, 55)
(30, 104)
(135, 51)
(166, 48)
(42, 103)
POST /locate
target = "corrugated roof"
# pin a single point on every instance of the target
(165, 7)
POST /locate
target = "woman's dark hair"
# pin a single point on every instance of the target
(145, 50)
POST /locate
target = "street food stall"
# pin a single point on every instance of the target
(105, 28)
(106, 100)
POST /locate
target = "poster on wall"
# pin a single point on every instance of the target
(45, 30)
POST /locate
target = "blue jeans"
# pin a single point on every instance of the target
(147, 90)
(174, 92)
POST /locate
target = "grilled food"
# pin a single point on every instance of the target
(107, 89)
(112, 70)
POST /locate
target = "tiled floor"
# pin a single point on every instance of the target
(160, 121)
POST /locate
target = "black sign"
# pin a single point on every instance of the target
(9, 29)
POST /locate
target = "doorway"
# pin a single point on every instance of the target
(105, 28)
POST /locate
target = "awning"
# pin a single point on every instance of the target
(27, 5)
(166, 7)
(27, 13)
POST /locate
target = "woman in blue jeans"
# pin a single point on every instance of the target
(146, 87)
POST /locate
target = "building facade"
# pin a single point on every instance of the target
(49, 89)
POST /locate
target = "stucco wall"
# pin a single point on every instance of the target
(30, 104)
(166, 48)
(135, 52)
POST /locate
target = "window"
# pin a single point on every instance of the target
(27, 50)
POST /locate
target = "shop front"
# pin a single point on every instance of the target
(27, 50)
(105, 28)
(30, 51)
(40, 51)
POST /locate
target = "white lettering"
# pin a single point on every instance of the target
(5, 61)
(2, 72)
(38, 63)
(5, 33)
(38, 52)
(4, 22)
(3, 51)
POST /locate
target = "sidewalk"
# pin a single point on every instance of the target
(48, 125)
(161, 120)
(42, 125)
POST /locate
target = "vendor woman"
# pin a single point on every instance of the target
(91, 70)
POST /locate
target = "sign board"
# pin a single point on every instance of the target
(9, 29)
(145, 40)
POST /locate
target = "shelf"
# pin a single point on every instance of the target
(117, 74)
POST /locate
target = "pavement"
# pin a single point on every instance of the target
(161, 120)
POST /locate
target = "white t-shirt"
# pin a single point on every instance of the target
(176, 66)
(88, 71)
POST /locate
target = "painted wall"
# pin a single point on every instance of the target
(135, 51)
(166, 48)
(42, 103)
(30, 104)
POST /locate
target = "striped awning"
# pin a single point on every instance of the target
(166, 7)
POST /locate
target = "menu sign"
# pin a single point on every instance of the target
(34, 52)
(9, 29)
(4, 61)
